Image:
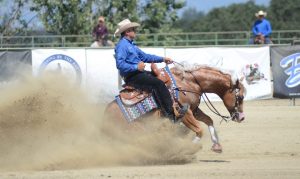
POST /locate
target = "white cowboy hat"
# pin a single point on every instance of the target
(261, 13)
(124, 25)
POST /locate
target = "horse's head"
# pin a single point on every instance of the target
(233, 100)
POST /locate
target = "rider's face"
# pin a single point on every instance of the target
(131, 33)
(260, 17)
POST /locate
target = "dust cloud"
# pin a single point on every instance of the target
(47, 123)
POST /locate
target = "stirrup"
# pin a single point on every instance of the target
(183, 110)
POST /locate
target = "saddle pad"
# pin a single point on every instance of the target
(133, 112)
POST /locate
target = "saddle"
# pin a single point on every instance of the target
(130, 95)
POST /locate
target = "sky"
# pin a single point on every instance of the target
(207, 5)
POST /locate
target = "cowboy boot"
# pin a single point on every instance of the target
(180, 112)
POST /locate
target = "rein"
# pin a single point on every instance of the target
(208, 103)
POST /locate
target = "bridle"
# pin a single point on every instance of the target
(233, 116)
(238, 99)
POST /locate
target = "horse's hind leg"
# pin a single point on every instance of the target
(201, 116)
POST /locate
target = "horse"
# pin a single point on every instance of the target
(192, 83)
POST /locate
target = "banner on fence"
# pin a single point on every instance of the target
(286, 71)
(252, 65)
(96, 69)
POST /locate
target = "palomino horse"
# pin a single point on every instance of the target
(192, 83)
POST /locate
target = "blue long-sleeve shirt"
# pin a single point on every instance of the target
(128, 55)
(262, 26)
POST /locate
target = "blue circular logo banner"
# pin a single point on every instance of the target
(65, 58)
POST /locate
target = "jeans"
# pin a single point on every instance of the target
(146, 81)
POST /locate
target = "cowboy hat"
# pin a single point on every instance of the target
(124, 25)
(261, 13)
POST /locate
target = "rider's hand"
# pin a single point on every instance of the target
(168, 60)
(141, 66)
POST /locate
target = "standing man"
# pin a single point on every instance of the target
(261, 29)
(130, 61)
(100, 32)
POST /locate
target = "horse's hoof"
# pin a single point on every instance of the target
(196, 140)
(217, 148)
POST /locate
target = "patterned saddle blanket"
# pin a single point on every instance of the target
(135, 103)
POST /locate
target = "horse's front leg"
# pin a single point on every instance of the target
(190, 121)
(201, 116)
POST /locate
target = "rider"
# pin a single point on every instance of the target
(130, 61)
(261, 28)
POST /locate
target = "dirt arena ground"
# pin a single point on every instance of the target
(52, 132)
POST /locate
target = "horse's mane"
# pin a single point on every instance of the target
(187, 67)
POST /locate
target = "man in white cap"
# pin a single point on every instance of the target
(130, 61)
(261, 28)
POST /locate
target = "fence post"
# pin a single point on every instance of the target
(63, 39)
(187, 39)
(216, 38)
(248, 37)
(32, 41)
(155, 39)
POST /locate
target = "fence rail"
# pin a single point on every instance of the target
(162, 39)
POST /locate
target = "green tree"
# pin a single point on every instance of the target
(65, 17)
(189, 18)
(284, 14)
(11, 20)
(236, 17)
(155, 16)
(160, 15)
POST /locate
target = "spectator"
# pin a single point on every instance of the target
(261, 29)
(100, 33)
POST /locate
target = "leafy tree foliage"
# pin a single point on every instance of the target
(285, 14)
(154, 15)
(189, 20)
(11, 21)
(64, 16)
(159, 15)
(236, 17)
